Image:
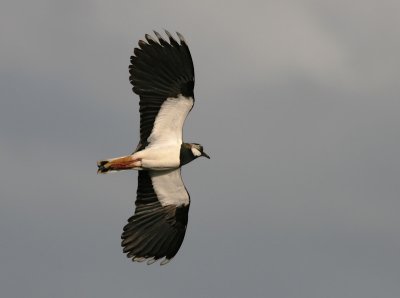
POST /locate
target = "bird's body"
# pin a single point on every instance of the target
(162, 74)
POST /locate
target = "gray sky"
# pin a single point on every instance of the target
(297, 102)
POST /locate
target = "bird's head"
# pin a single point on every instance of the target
(191, 151)
(197, 150)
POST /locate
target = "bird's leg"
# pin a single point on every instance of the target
(118, 164)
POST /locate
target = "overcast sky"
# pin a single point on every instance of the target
(297, 103)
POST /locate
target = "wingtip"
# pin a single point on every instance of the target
(165, 262)
(167, 32)
(142, 43)
(150, 39)
(149, 260)
(161, 39)
(181, 38)
(139, 259)
(172, 40)
(158, 35)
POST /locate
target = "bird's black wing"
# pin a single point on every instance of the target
(160, 69)
(158, 227)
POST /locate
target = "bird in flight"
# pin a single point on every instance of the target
(162, 74)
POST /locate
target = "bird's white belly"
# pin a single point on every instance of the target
(159, 158)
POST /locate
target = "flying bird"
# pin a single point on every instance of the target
(162, 74)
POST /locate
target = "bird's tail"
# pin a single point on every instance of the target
(118, 164)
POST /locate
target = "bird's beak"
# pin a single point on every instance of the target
(205, 155)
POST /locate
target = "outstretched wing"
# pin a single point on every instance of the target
(162, 74)
(158, 227)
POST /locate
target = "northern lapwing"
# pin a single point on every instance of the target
(162, 74)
